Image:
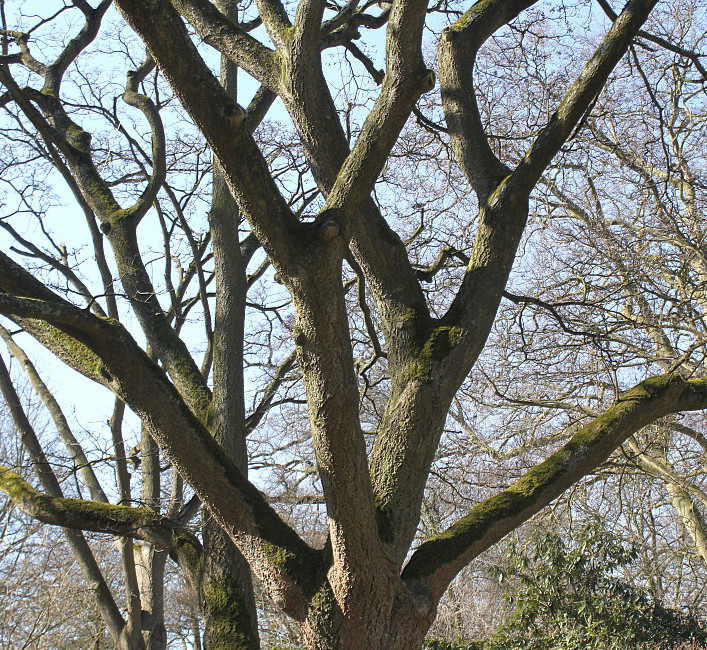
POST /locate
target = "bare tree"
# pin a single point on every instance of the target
(379, 386)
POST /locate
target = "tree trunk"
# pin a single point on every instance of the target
(398, 622)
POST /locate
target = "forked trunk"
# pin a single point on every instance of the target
(398, 622)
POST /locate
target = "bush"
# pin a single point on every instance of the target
(566, 595)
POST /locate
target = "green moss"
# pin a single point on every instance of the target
(73, 352)
(280, 64)
(228, 623)
(200, 402)
(122, 213)
(15, 486)
(457, 539)
(183, 370)
(79, 138)
(288, 33)
(403, 319)
(196, 394)
(648, 388)
(284, 548)
(98, 194)
(277, 555)
(437, 347)
(61, 510)
(323, 602)
(496, 195)
(523, 495)
(217, 597)
(95, 511)
(324, 616)
(466, 19)
(188, 550)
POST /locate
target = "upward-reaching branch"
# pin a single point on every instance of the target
(406, 78)
(227, 37)
(120, 224)
(405, 446)
(504, 213)
(581, 94)
(307, 97)
(456, 52)
(76, 452)
(222, 121)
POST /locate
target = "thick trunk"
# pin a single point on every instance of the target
(396, 619)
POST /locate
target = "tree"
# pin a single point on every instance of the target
(375, 423)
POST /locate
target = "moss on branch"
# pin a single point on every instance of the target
(436, 348)
(441, 557)
(80, 514)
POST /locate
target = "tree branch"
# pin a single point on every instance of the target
(580, 96)
(98, 517)
(456, 54)
(83, 467)
(104, 599)
(221, 120)
(230, 40)
(438, 560)
(118, 224)
(694, 57)
(503, 215)
(406, 78)
(147, 107)
(283, 561)
(254, 419)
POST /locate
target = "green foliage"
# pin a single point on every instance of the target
(567, 595)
